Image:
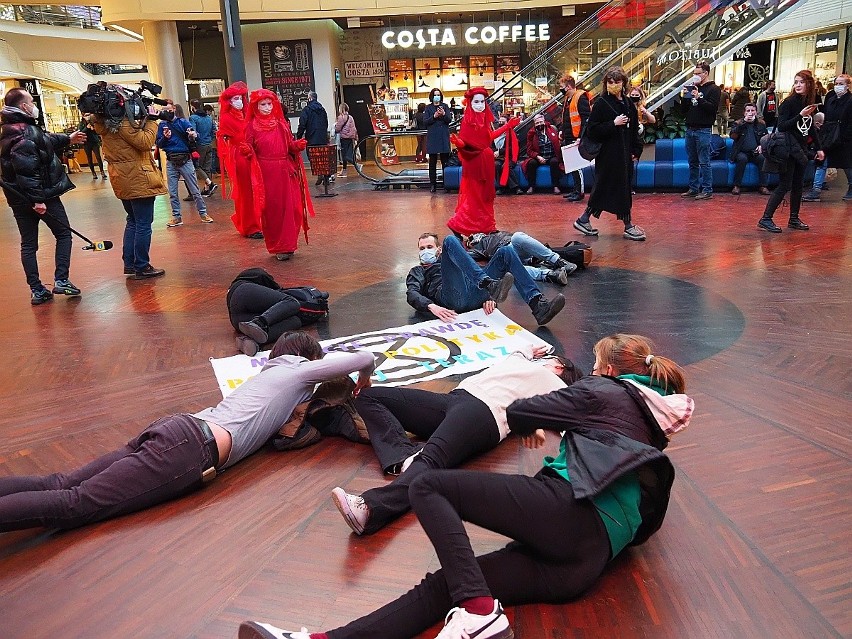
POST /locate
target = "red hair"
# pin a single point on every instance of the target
(810, 86)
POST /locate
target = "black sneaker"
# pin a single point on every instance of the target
(210, 190)
(40, 296)
(129, 271)
(255, 330)
(704, 195)
(767, 224)
(498, 290)
(574, 197)
(65, 287)
(811, 196)
(545, 311)
(257, 235)
(247, 346)
(689, 193)
(148, 272)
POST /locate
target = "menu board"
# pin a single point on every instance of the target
(401, 77)
(287, 69)
(507, 66)
(381, 124)
(482, 71)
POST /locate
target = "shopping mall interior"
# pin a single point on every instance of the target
(755, 542)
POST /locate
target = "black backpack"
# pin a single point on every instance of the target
(574, 252)
(313, 303)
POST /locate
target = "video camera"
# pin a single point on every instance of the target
(114, 102)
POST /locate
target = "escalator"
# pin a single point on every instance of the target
(390, 165)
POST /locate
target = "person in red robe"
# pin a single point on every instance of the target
(475, 208)
(236, 168)
(278, 175)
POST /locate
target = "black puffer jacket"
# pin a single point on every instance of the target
(29, 162)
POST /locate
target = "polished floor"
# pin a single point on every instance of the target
(757, 540)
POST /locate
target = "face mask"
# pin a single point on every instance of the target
(636, 98)
(264, 109)
(428, 256)
(478, 105)
(613, 89)
(539, 127)
(34, 112)
(436, 99)
(237, 102)
(840, 89)
(168, 116)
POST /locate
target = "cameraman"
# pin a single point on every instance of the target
(136, 181)
(175, 136)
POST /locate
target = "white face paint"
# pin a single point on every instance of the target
(265, 106)
(478, 103)
(237, 102)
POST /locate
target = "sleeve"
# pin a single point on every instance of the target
(429, 115)
(557, 411)
(337, 365)
(338, 127)
(415, 283)
(735, 130)
(787, 117)
(25, 161)
(303, 122)
(59, 140)
(761, 103)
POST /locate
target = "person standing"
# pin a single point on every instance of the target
(838, 113)
(700, 102)
(92, 146)
(795, 119)
(174, 136)
(345, 127)
(205, 129)
(313, 126)
(33, 180)
(767, 105)
(746, 134)
(724, 114)
(575, 114)
(437, 118)
(614, 123)
(278, 177)
(236, 167)
(418, 125)
(543, 150)
(739, 100)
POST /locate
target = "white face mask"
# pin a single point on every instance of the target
(237, 102)
(34, 112)
(840, 89)
(265, 108)
(478, 103)
(428, 256)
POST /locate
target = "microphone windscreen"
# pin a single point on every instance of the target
(107, 245)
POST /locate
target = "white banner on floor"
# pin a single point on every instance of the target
(413, 353)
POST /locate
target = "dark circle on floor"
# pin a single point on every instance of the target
(687, 323)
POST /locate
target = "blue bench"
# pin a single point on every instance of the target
(452, 178)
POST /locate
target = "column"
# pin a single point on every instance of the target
(165, 63)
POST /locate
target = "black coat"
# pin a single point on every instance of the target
(840, 110)
(738, 129)
(313, 124)
(614, 164)
(423, 286)
(609, 431)
(437, 129)
(29, 161)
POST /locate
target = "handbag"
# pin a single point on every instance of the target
(588, 148)
(829, 134)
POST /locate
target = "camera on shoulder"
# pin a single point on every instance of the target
(115, 103)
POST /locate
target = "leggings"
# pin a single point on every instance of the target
(433, 165)
(561, 548)
(792, 181)
(248, 301)
(89, 150)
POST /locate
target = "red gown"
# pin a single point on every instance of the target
(285, 201)
(237, 168)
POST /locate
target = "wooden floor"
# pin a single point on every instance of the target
(757, 541)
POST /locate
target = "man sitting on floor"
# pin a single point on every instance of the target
(541, 263)
(447, 281)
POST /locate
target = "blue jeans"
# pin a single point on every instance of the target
(187, 172)
(698, 152)
(461, 276)
(529, 249)
(819, 177)
(137, 232)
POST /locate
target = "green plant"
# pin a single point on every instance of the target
(671, 125)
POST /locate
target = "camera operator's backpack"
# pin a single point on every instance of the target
(313, 303)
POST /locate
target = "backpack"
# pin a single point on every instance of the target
(574, 252)
(313, 303)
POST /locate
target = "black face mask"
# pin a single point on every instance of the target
(636, 98)
(168, 116)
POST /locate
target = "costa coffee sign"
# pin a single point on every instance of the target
(471, 35)
(365, 69)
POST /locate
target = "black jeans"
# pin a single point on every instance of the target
(347, 151)
(278, 309)
(164, 462)
(561, 548)
(744, 158)
(433, 165)
(555, 172)
(96, 150)
(512, 177)
(792, 181)
(456, 425)
(57, 221)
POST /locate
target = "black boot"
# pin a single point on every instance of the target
(433, 188)
(256, 329)
(767, 224)
(796, 223)
(544, 311)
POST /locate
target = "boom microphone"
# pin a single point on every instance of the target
(103, 245)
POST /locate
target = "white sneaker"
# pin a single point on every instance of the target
(257, 630)
(461, 624)
(352, 507)
(408, 460)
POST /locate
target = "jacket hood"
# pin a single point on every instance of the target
(237, 88)
(265, 94)
(257, 276)
(672, 412)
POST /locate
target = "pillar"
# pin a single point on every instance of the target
(165, 63)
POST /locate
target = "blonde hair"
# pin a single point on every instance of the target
(635, 354)
(846, 77)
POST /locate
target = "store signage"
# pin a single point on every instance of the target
(826, 42)
(365, 69)
(696, 54)
(471, 35)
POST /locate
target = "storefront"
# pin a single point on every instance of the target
(750, 67)
(819, 52)
(57, 105)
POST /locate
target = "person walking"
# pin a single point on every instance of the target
(345, 127)
(795, 120)
(614, 123)
(33, 179)
(767, 105)
(205, 130)
(437, 117)
(313, 127)
(92, 146)
(838, 116)
(700, 103)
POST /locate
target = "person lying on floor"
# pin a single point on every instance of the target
(458, 425)
(541, 263)
(448, 281)
(608, 488)
(180, 453)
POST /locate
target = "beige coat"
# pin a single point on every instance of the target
(132, 171)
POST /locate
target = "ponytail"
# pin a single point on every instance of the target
(635, 354)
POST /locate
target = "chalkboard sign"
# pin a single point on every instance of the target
(287, 69)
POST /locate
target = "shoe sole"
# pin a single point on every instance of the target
(138, 276)
(172, 225)
(338, 496)
(246, 345)
(556, 305)
(254, 332)
(635, 238)
(775, 230)
(561, 279)
(506, 283)
(62, 291)
(584, 231)
(40, 301)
